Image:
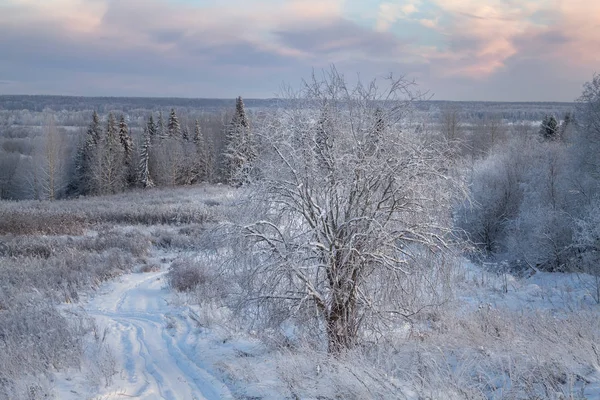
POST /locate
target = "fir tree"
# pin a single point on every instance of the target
(184, 133)
(95, 130)
(152, 129)
(201, 161)
(109, 172)
(127, 144)
(239, 148)
(239, 117)
(549, 128)
(160, 126)
(144, 178)
(125, 139)
(85, 155)
(174, 128)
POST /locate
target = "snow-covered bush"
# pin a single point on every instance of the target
(186, 274)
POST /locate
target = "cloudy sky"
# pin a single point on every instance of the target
(507, 50)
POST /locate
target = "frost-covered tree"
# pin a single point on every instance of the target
(143, 171)
(567, 126)
(47, 177)
(542, 233)
(201, 158)
(240, 149)
(496, 193)
(152, 129)
(85, 156)
(334, 239)
(160, 126)
(451, 122)
(549, 128)
(108, 170)
(240, 118)
(127, 144)
(173, 127)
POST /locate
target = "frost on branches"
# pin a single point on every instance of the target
(348, 194)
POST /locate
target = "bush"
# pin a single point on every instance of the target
(186, 275)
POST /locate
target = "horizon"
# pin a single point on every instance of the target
(458, 50)
(270, 98)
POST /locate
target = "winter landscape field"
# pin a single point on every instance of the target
(299, 199)
(367, 248)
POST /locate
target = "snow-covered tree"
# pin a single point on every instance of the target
(143, 171)
(549, 128)
(160, 126)
(240, 149)
(85, 155)
(47, 177)
(127, 144)
(201, 157)
(334, 240)
(152, 129)
(173, 127)
(108, 171)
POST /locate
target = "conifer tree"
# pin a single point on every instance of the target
(144, 178)
(85, 155)
(239, 146)
(201, 161)
(127, 144)
(239, 117)
(185, 133)
(549, 128)
(109, 174)
(160, 126)
(174, 128)
(152, 129)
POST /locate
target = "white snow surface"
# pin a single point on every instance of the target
(162, 350)
(155, 353)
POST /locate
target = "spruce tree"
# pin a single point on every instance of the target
(127, 144)
(200, 164)
(185, 133)
(109, 174)
(152, 129)
(239, 146)
(160, 126)
(239, 117)
(174, 128)
(549, 128)
(144, 178)
(85, 156)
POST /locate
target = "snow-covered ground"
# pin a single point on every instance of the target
(162, 349)
(497, 337)
(152, 343)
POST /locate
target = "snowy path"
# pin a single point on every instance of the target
(153, 361)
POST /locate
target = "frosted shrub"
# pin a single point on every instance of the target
(186, 274)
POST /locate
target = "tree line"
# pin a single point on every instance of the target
(110, 157)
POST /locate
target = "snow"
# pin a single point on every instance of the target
(150, 342)
(163, 347)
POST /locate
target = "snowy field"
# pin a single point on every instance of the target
(89, 310)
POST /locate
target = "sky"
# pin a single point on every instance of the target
(481, 50)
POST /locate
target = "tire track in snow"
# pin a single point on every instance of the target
(155, 363)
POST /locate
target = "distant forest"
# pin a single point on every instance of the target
(511, 111)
